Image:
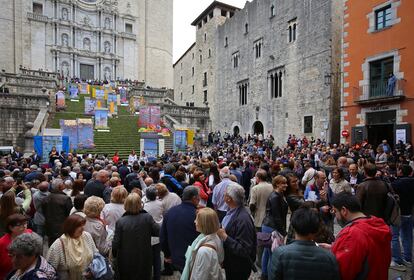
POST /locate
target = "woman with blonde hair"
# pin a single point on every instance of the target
(206, 253)
(94, 225)
(134, 230)
(115, 209)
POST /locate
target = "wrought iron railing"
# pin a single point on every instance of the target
(379, 90)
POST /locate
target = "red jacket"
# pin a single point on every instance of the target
(364, 247)
(6, 265)
(204, 190)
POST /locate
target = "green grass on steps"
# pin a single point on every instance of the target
(123, 136)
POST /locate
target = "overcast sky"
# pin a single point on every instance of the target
(185, 11)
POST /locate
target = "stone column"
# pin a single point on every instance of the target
(269, 86)
(28, 139)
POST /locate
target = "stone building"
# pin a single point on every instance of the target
(195, 71)
(276, 68)
(90, 39)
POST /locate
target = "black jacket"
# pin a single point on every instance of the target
(56, 208)
(404, 187)
(123, 172)
(131, 246)
(372, 194)
(303, 260)
(240, 245)
(276, 212)
(360, 178)
(94, 187)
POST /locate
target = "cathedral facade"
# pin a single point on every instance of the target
(90, 39)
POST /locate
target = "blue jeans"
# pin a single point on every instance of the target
(267, 253)
(406, 232)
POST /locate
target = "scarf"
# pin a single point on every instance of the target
(174, 181)
(78, 255)
(190, 254)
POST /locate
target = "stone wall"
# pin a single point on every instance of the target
(306, 66)
(303, 64)
(22, 97)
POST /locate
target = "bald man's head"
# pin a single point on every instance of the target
(102, 176)
(43, 186)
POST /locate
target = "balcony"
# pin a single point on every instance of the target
(37, 17)
(379, 92)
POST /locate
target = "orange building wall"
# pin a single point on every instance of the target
(363, 44)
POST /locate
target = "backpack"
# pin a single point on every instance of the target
(392, 208)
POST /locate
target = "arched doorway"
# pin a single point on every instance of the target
(258, 128)
(236, 131)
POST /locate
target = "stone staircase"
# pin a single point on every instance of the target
(123, 137)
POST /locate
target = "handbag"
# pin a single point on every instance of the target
(264, 239)
(100, 268)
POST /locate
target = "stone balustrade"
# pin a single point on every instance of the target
(37, 17)
(185, 112)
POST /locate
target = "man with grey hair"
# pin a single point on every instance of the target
(239, 236)
(56, 208)
(25, 252)
(218, 193)
(178, 230)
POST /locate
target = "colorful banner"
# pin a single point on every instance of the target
(112, 104)
(123, 94)
(60, 100)
(73, 91)
(49, 142)
(180, 140)
(99, 94)
(79, 133)
(70, 129)
(149, 116)
(151, 147)
(101, 118)
(84, 88)
(90, 105)
(85, 134)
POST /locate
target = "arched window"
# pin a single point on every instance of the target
(246, 28)
(272, 10)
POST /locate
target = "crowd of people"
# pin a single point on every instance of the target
(237, 206)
